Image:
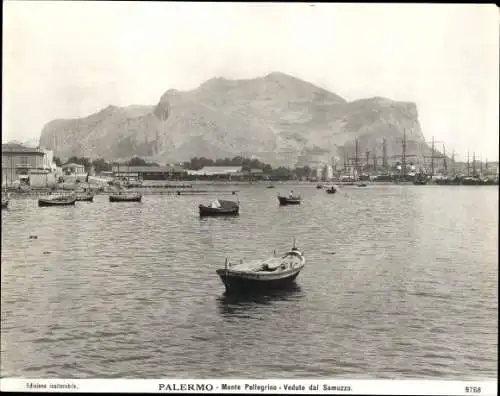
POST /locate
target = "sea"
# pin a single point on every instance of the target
(401, 282)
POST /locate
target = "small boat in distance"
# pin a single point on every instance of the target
(64, 200)
(85, 196)
(361, 185)
(220, 207)
(319, 186)
(5, 203)
(291, 199)
(331, 190)
(125, 197)
(257, 275)
(270, 186)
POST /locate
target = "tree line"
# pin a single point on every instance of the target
(195, 163)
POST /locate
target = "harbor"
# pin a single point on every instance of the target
(142, 276)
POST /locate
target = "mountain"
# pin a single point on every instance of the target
(278, 118)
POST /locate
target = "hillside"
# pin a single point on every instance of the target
(277, 118)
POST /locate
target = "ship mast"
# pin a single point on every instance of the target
(357, 160)
(403, 160)
(444, 159)
(384, 154)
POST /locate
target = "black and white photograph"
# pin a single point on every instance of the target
(250, 191)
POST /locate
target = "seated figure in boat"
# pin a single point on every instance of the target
(215, 204)
(291, 194)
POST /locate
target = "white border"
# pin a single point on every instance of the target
(359, 387)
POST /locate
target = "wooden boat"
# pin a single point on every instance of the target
(220, 208)
(331, 190)
(65, 200)
(270, 186)
(319, 186)
(257, 275)
(5, 203)
(125, 197)
(87, 197)
(361, 184)
(290, 200)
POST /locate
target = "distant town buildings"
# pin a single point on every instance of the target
(148, 172)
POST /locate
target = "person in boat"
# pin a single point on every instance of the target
(215, 204)
(291, 194)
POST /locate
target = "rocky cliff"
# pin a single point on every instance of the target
(277, 118)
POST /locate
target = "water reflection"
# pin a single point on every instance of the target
(234, 304)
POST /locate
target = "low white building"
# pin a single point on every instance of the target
(73, 169)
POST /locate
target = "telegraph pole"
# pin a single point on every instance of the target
(474, 164)
(468, 164)
(374, 161)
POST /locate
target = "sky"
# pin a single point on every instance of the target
(69, 59)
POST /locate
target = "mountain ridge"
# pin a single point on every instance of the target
(277, 118)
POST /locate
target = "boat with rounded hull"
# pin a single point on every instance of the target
(220, 208)
(57, 201)
(331, 190)
(125, 197)
(290, 200)
(273, 273)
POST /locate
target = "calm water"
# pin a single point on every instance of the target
(401, 282)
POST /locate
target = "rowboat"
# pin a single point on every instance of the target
(331, 190)
(125, 197)
(257, 275)
(5, 203)
(289, 200)
(220, 207)
(67, 200)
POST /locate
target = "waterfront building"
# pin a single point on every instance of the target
(19, 161)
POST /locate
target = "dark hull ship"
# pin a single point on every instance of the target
(290, 200)
(125, 197)
(220, 208)
(271, 274)
(57, 201)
